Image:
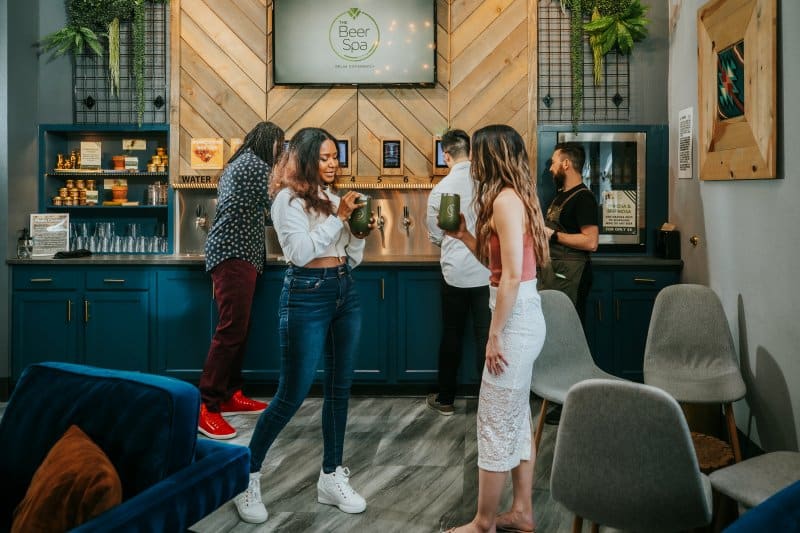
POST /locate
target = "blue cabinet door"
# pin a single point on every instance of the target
(45, 327)
(185, 321)
(599, 323)
(376, 291)
(262, 359)
(632, 310)
(418, 325)
(117, 329)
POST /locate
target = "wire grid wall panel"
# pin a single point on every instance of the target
(93, 102)
(607, 102)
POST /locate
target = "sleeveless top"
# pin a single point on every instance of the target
(496, 266)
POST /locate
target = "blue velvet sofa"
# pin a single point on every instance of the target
(778, 513)
(145, 424)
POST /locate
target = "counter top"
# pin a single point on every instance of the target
(632, 261)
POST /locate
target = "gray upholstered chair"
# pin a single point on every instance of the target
(690, 352)
(752, 481)
(565, 358)
(624, 459)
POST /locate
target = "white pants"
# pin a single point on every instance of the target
(504, 412)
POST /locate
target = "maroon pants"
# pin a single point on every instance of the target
(234, 286)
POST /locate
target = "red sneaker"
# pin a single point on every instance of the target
(213, 426)
(239, 404)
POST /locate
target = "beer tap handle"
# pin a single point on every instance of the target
(381, 222)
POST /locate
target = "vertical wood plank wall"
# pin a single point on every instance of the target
(222, 82)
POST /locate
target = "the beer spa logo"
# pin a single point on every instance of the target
(354, 35)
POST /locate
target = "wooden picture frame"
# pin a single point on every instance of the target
(737, 37)
(392, 157)
(345, 154)
(440, 168)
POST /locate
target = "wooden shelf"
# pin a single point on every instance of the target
(104, 173)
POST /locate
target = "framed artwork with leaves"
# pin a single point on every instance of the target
(737, 62)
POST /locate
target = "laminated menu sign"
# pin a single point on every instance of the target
(50, 233)
(206, 153)
(619, 211)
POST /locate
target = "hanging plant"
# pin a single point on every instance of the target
(615, 25)
(88, 20)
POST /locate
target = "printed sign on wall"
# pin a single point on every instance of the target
(207, 153)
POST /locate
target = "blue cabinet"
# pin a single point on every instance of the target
(94, 316)
(185, 318)
(262, 360)
(375, 291)
(418, 325)
(618, 315)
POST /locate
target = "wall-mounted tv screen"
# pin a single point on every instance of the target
(354, 42)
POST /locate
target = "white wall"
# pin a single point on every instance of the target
(749, 251)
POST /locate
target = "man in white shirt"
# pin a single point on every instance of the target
(465, 288)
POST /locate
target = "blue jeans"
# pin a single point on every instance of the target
(320, 316)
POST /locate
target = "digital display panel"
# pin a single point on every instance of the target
(343, 149)
(354, 42)
(391, 154)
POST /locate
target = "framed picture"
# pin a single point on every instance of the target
(737, 57)
(345, 159)
(391, 157)
(207, 153)
(50, 233)
(440, 168)
(236, 142)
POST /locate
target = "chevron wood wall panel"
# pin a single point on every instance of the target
(220, 69)
(223, 81)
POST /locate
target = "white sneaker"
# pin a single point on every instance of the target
(251, 508)
(335, 489)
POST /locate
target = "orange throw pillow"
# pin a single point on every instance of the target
(75, 483)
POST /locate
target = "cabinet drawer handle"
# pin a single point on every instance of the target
(382, 289)
(599, 311)
(644, 280)
(86, 310)
(69, 311)
(113, 280)
(41, 280)
(616, 307)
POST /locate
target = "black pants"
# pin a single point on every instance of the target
(457, 305)
(583, 292)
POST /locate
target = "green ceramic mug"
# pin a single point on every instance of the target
(359, 218)
(450, 211)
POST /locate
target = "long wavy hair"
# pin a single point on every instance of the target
(298, 169)
(500, 160)
(265, 140)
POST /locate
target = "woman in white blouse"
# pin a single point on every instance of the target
(319, 311)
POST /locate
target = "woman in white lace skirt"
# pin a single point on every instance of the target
(510, 237)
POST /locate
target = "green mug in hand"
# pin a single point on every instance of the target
(449, 212)
(359, 218)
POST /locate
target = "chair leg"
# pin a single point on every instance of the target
(595, 527)
(725, 512)
(537, 434)
(577, 524)
(732, 432)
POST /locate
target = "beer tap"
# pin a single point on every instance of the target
(406, 220)
(381, 223)
(201, 218)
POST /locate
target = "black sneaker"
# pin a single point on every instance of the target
(445, 409)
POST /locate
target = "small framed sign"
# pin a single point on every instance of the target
(343, 151)
(50, 233)
(391, 157)
(236, 142)
(91, 154)
(440, 167)
(207, 153)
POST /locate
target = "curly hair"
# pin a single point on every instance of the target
(500, 160)
(298, 170)
(265, 140)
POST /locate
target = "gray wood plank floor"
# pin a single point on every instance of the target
(416, 469)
